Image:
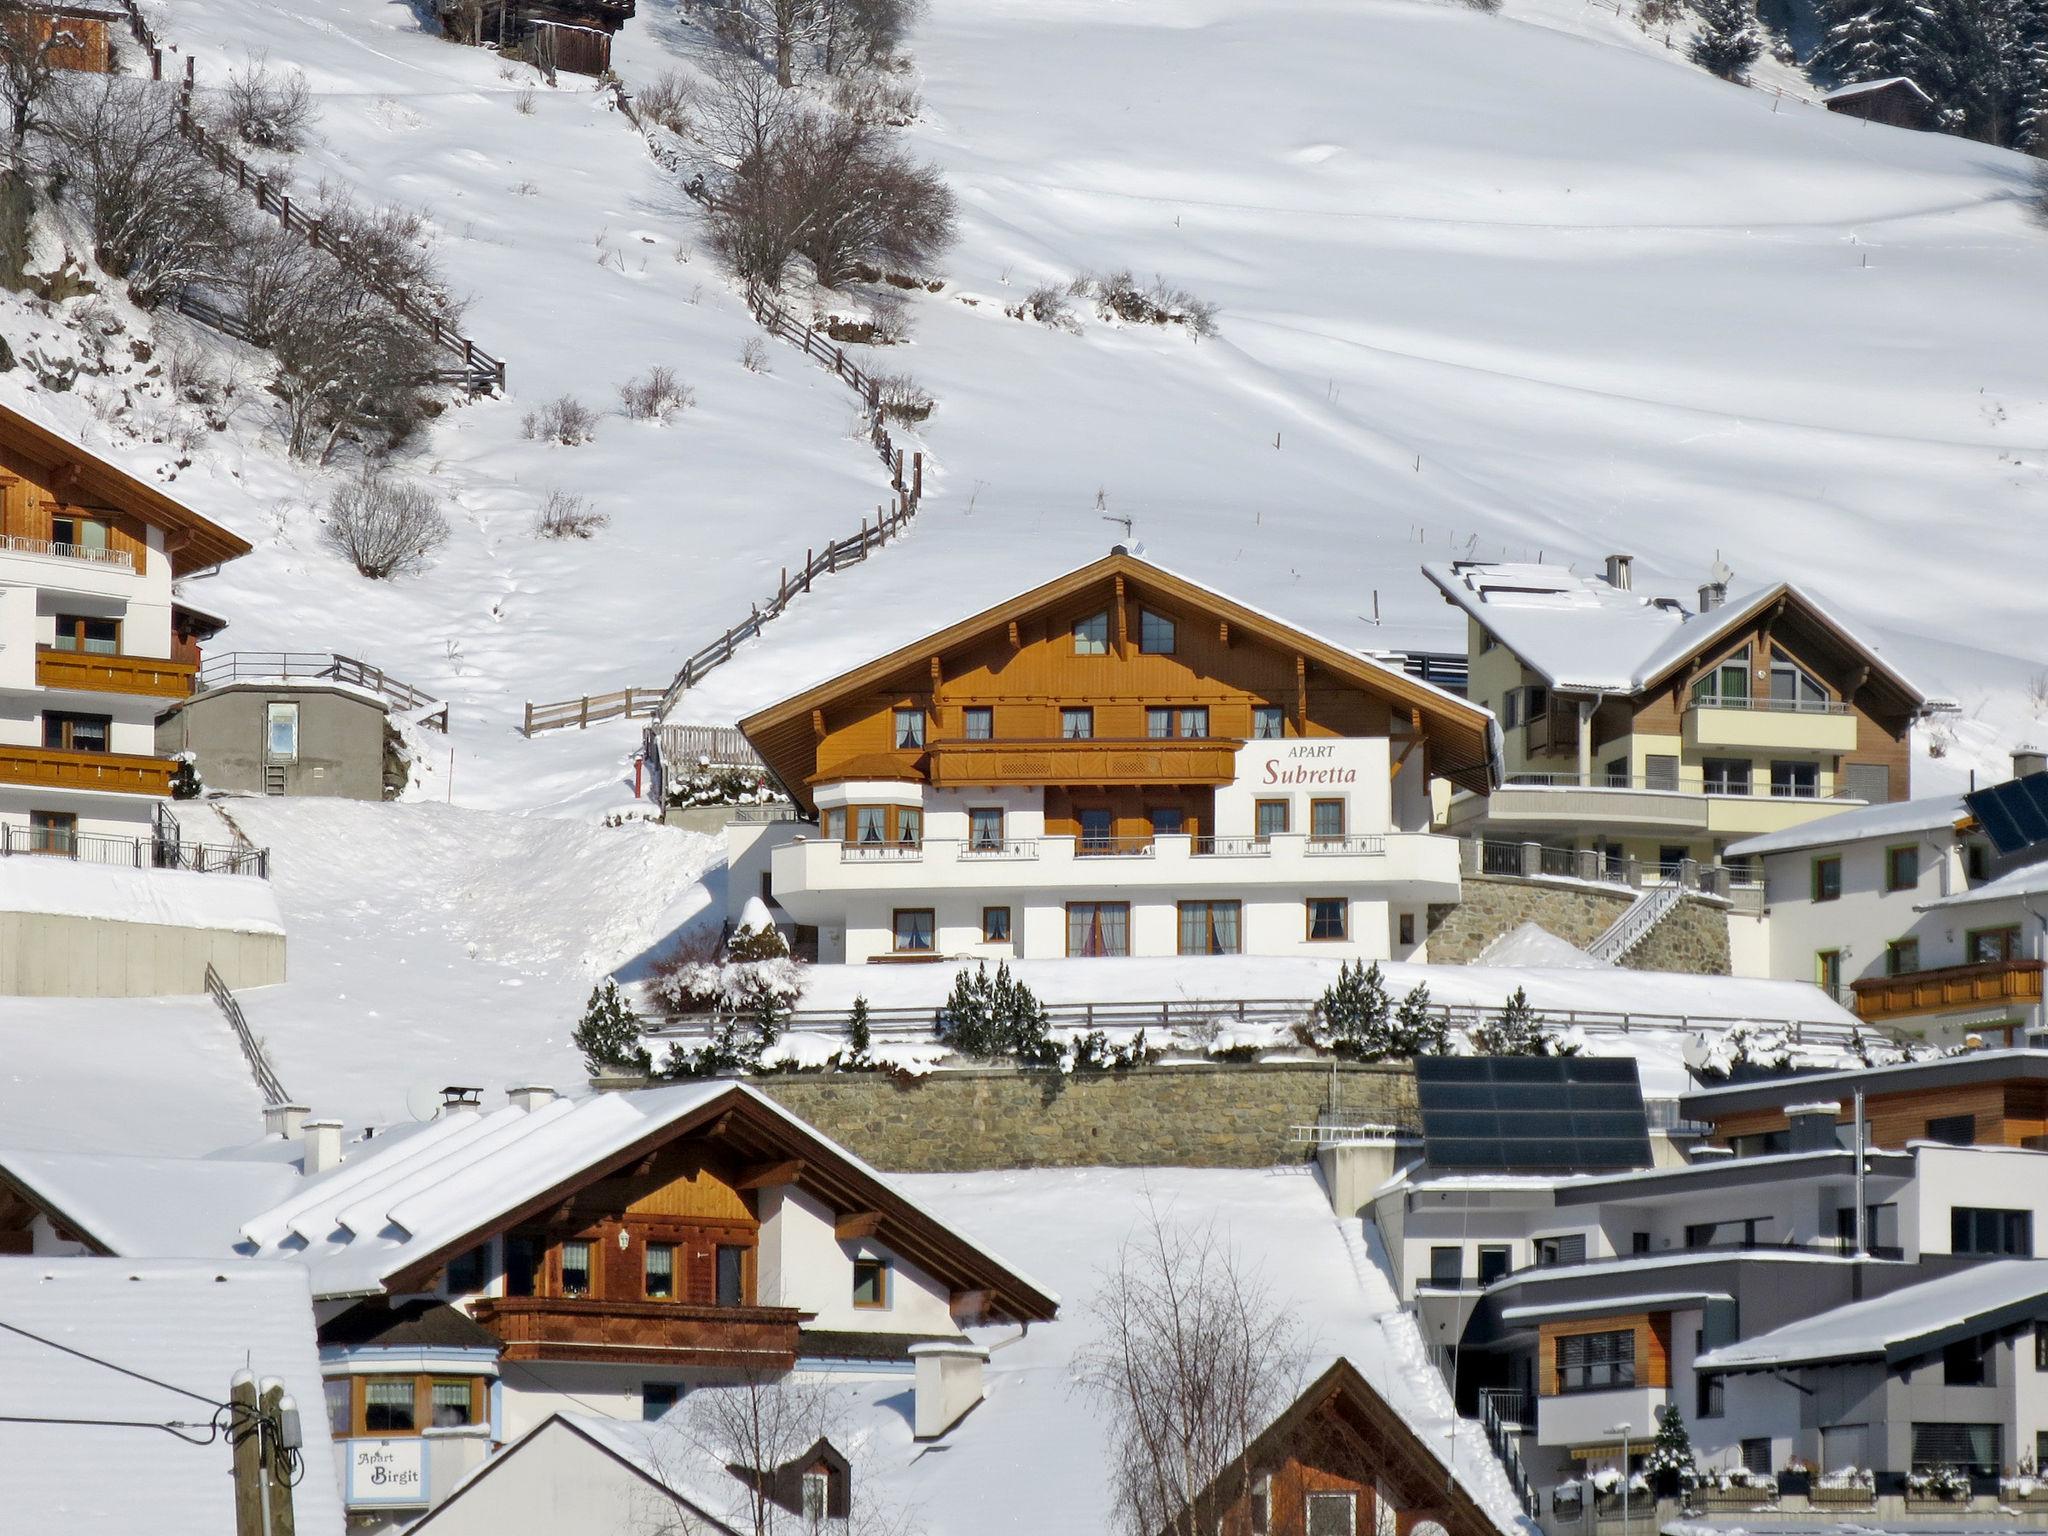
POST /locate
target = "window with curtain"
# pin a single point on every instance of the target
(1972, 1447)
(1269, 817)
(909, 825)
(388, 1405)
(1827, 878)
(1326, 820)
(576, 1272)
(1077, 724)
(872, 824)
(454, 1404)
(339, 1405)
(730, 1278)
(661, 1271)
(995, 925)
(909, 728)
(1194, 723)
(1327, 917)
(76, 733)
(832, 826)
(985, 827)
(1158, 721)
(978, 722)
(1208, 927)
(96, 637)
(1098, 928)
(1901, 868)
(1097, 830)
(1269, 722)
(1727, 685)
(1901, 957)
(914, 930)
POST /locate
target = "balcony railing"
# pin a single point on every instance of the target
(880, 853)
(641, 1332)
(1360, 844)
(1776, 706)
(1232, 847)
(1669, 784)
(1984, 984)
(1139, 847)
(97, 672)
(20, 544)
(1112, 847)
(56, 768)
(1000, 848)
(132, 852)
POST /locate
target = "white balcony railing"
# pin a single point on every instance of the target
(1319, 847)
(1777, 706)
(22, 545)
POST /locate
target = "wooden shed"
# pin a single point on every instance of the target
(75, 37)
(574, 36)
(1896, 101)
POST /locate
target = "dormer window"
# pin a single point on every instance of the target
(1091, 635)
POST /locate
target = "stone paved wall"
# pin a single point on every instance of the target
(1694, 938)
(1220, 1115)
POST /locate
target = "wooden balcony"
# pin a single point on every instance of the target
(1145, 760)
(670, 1333)
(151, 676)
(1948, 988)
(55, 768)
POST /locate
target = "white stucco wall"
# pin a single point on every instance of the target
(1865, 917)
(558, 1482)
(801, 1263)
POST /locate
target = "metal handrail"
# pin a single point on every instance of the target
(252, 1048)
(132, 852)
(1362, 843)
(1777, 706)
(1645, 783)
(24, 545)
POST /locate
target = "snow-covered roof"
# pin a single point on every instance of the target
(1864, 87)
(161, 1207)
(1607, 1306)
(1909, 1321)
(189, 1325)
(397, 1203)
(2028, 880)
(178, 898)
(1895, 1077)
(1533, 944)
(1899, 818)
(1583, 634)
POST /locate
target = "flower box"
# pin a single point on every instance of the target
(1851, 1497)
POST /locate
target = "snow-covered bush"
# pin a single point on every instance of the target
(1672, 1450)
(1357, 1020)
(563, 516)
(564, 419)
(754, 974)
(1727, 39)
(1939, 1483)
(1118, 297)
(1847, 1477)
(262, 109)
(608, 1034)
(1740, 1479)
(706, 784)
(1518, 1030)
(995, 1018)
(902, 398)
(1047, 304)
(657, 395)
(1607, 1483)
(1094, 1052)
(384, 526)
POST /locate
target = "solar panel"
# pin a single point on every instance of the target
(2014, 815)
(1532, 1114)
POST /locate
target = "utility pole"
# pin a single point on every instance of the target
(263, 1428)
(246, 1438)
(280, 1439)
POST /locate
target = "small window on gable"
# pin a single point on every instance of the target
(1262, 1504)
(468, 1272)
(1091, 635)
(978, 722)
(1155, 633)
(1269, 722)
(817, 1499)
(909, 728)
(871, 1282)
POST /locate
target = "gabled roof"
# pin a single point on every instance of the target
(1864, 87)
(1899, 818)
(154, 1207)
(1409, 1465)
(2027, 880)
(1899, 1077)
(1583, 635)
(1901, 1325)
(397, 1209)
(188, 1325)
(194, 542)
(1464, 749)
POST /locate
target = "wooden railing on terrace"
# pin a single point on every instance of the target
(1986, 984)
(94, 672)
(57, 768)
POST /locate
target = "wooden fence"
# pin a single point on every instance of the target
(477, 371)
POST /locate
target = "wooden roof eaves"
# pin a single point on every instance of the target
(1447, 713)
(63, 1221)
(1784, 593)
(207, 540)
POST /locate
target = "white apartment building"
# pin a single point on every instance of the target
(1117, 763)
(93, 639)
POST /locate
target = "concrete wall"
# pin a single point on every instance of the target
(44, 954)
(341, 739)
(1207, 1116)
(1693, 939)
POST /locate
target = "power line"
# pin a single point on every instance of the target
(197, 1397)
(173, 1427)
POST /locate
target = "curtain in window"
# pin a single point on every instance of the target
(1194, 724)
(1971, 1447)
(387, 1403)
(661, 1270)
(1098, 928)
(452, 1402)
(873, 824)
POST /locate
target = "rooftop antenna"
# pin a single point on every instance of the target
(1125, 521)
(1719, 573)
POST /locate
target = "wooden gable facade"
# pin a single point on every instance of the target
(1340, 1442)
(990, 697)
(1998, 1114)
(49, 486)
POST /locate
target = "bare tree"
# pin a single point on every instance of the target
(384, 526)
(758, 1424)
(270, 111)
(1194, 1359)
(29, 41)
(159, 213)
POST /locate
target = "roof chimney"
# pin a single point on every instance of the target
(1712, 595)
(530, 1096)
(2028, 759)
(323, 1146)
(949, 1382)
(285, 1120)
(457, 1100)
(1621, 572)
(1813, 1127)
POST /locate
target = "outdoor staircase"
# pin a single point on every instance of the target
(1637, 922)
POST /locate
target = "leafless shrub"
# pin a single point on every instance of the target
(1118, 297)
(523, 102)
(873, 97)
(901, 398)
(190, 374)
(564, 419)
(269, 111)
(1047, 304)
(657, 395)
(753, 355)
(666, 100)
(889, 319)
(563, 516)
(1659, 15)
(801, 182)
(1192, 1360)
(160, 216)
(2037, 694)
(383, 526)
(390, 246)
(525, 189)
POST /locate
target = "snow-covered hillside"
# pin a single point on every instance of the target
(1516, 283)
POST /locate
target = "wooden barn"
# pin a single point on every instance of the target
(572, 36)
(74, 37)
(1896, 101)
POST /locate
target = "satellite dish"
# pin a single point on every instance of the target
(422, 1102)
(1720, 572)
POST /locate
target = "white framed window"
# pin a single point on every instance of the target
(281, 730)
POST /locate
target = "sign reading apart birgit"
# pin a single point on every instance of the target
(386, 1472)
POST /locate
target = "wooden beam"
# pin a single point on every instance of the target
(818, 724)
(1223, 634)
(1301, 691)
(1016, 640)
(1402, 761)
(937, 678)
(855, 1225)
(1123, 628)
(764, 1175)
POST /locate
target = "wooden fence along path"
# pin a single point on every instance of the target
(476, 371)
(906, 479)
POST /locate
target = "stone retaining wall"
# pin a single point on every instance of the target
(1218, 1115)
(1693, 939)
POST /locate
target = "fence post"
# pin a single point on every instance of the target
(156, 63)
(917, 476)
(896, 475)
(810, 564)
(583, 715)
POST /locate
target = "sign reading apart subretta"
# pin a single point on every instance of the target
(1330, 764)
(387, 1472)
